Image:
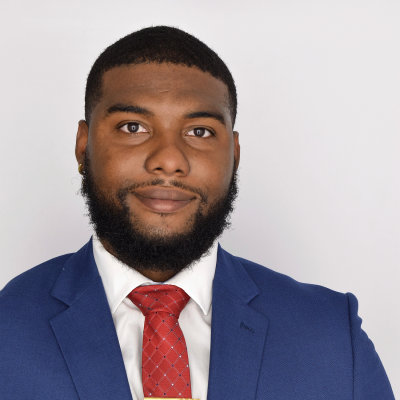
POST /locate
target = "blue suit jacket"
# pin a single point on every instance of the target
(272, 338)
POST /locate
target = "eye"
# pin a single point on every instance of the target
(200, 132)
(133, 127)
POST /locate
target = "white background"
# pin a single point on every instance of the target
(319, 96)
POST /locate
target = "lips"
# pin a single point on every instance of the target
(163, 200)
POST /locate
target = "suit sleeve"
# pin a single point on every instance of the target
(369, 377)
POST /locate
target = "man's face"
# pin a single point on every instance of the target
(163, 133)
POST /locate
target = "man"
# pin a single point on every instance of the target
(152, 306)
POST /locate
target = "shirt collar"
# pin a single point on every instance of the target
(119, 279)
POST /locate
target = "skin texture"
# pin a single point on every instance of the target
(165, 145)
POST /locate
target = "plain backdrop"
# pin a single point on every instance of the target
(319, 96)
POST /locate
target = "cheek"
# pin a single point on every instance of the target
(113, 167)
(216, 174)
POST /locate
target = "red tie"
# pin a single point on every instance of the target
(165, 363)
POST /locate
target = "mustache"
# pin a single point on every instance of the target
(131, 186)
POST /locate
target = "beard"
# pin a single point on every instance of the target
(142, 248)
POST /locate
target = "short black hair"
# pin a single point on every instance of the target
(158, 44)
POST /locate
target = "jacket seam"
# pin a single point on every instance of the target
(351, 340)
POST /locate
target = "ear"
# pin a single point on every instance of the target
(81, 141)
(236, 149)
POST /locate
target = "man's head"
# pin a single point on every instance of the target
(159, 153)
(160, 44)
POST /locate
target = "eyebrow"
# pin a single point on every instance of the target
(206, 114)
(126, 108)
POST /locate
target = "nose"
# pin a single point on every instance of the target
(167, 158)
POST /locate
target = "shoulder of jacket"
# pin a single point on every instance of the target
(37, 279)
(276, 285)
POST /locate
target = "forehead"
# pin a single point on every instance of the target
(164, 83)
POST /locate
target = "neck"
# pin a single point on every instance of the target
(154, 275)
(158, 276)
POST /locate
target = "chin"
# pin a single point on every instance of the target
(163, 230)
(162, 225)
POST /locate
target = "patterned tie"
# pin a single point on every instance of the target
(165, 363)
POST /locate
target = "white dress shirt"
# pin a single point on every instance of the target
(195, 319)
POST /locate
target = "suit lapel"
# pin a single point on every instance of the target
(238, 333)
(85, 331)
(87, 338)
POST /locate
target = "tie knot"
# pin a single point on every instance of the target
(159, 298)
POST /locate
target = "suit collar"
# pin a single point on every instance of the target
(80, 270)
(88, 340)
(238, 333)
(233, 276)
(86, 333)
(78, 273)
